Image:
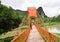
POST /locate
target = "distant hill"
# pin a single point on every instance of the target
(39, 10)
(21, 13)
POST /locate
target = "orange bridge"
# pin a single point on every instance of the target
(34, 33)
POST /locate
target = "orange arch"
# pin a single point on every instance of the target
(32, 12)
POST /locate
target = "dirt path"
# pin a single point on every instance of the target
(34, 36)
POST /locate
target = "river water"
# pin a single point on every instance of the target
(54, 28)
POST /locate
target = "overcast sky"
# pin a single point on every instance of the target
(50, 7)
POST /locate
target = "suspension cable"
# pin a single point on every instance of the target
(39, 16)
(20, 26)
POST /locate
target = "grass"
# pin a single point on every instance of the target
(57, 39)
(57, 34)
(8, 36)
(24, 27)
(51, 23)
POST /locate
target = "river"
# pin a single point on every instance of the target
(54, 28)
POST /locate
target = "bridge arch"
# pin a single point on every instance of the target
(32, 14)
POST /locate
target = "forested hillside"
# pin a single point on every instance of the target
(9, 19)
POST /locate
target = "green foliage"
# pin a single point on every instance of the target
(56, 19)
(8, 39)
(47, 19)
(8, 19)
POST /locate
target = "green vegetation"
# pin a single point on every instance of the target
(57, 34)
(8, 36)
(10, 20)
(24, 27)
(8, 39)
(47, 20)
(50, 21)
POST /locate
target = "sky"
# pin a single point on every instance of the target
(50, 7)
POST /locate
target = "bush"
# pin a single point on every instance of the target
(8, 19)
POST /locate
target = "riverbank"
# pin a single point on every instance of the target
(57, 34)
(53, 27)
(51, 23)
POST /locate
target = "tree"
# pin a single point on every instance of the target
(8, 18)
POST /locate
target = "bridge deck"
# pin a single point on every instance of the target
(34, 36)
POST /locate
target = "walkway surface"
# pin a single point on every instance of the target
(34, 36)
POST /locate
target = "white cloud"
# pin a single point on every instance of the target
(16, 4)
(51, 11)
(51, 3)
(50, 7)
(30, 3)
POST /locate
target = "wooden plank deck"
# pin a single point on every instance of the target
(34, 36)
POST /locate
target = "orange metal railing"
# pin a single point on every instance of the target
(47, 36)
(22, 37)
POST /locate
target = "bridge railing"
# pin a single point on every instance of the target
(47, 36)
(21, 37)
